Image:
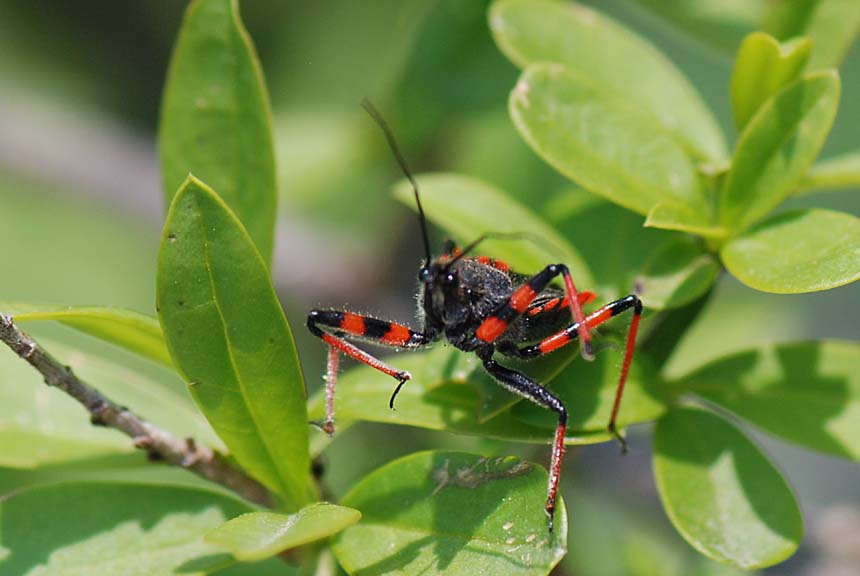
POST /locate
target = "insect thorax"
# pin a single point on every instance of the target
(457, 308)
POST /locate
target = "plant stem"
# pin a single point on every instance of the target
(159, 444)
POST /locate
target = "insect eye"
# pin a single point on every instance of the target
(450, 278)
(424, 275)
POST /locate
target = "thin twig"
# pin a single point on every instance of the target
(158, 443)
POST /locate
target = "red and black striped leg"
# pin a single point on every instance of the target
(333, 326)
(572, 332)
(497, 323)
(522, 385)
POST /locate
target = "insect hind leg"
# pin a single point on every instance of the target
(522, 385)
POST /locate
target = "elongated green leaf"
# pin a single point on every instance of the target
(258, 535)
(131, 330)
(722, 493)
(839, 172)
(41, 425)
(459, 204)
(215, 119)
(676, 274)
(808, 393)
(440, 396)
(832, 25)
(600, 49)
(455, 514)
(762, 67)
(777, 147)
(587, 390)
(228, 336)
(108, 529)
(602, 142)
(801, 251)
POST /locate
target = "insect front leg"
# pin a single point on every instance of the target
(523, 386)
(334, 326)
(572, 332)
(497, 323)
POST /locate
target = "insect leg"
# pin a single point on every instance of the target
(572, 332)
(522, 385)
(333, 326)
(497, 323)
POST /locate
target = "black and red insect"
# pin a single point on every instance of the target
(480, 305)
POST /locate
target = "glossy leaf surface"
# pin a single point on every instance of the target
(795, 252)
(257, 535)
(587, 390)
(626, 64)
(807, 393)
(129, 529)
(721, 492)
(229, 338)
(674, 216)
(215, 119)
(602, 142)
(131, 330)
(455, 514)
(776, 148)
(762, 67)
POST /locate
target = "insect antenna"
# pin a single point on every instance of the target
(392, 143)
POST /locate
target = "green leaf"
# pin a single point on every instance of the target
(459, 205)
(624, 64)
(215, 119)
(676, 274)
(832, 25)
(601, 141)
(258, 535)
(808, 392)
(128, 329)
(587, 390)
(722, 493)
(776, 148)
(440, 396)
(672, 216)
(41, 426)
(839, 172)
(762, 67)
(452, 513)
(229, 338)
(108, 529)
(795, 252)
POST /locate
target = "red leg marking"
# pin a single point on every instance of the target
(579, 318)
(625, 368)
(555, 472)
(330, 381)
(364, 357)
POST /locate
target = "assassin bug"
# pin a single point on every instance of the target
(480, 305)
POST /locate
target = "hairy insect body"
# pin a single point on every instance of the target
(479, 305)
(458, 298)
